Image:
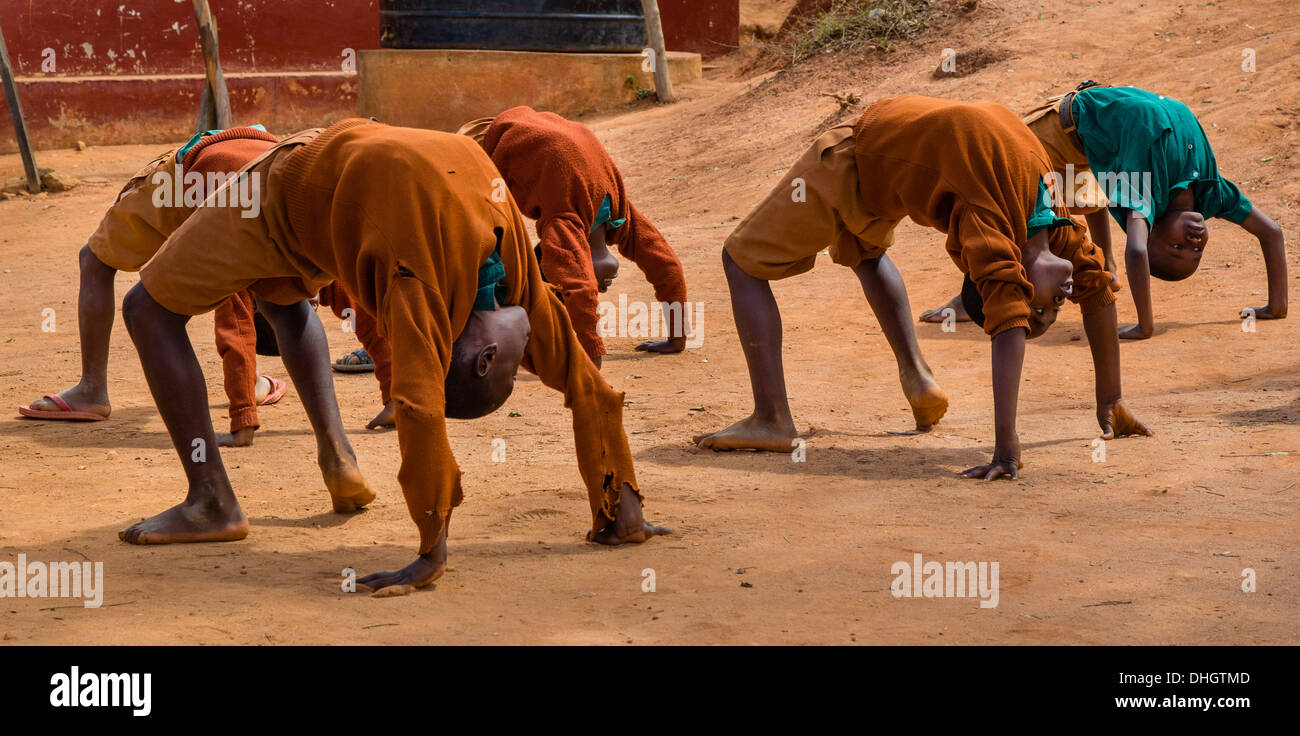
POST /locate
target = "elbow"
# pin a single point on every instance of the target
(1273, 236)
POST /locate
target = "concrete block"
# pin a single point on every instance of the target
(442, 89)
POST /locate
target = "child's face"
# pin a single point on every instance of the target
(1053, 281)
(492, 344)
(1176, 244)
(602, 261)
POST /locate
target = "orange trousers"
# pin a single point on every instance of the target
(237, 346)
(367, 331)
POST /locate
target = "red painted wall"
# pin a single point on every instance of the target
(707, 27)
(112, 37)
(130, 71)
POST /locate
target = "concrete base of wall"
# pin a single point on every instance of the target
(443, 89)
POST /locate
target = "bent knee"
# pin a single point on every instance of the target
(137, 305)
(273, 311)
(729, 266)
(88, 261)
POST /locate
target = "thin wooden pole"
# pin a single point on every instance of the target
(207, 112)
(16, 114)
(655, 32)
(212, 62)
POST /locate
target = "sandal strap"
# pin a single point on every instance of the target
(59, 402)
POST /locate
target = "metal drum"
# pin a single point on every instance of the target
(513, 25)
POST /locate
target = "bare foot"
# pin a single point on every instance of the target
(671, 345)
(238, 438)
(936, 316)
(630, 527)
(425, 570)
(387, 417)
(1134, 332)
(190, 522)
(79, 399)
(929, 402)
(347, 487)
(750, 433)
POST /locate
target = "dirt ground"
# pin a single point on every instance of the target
(766, 550)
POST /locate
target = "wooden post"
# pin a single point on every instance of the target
(655, 32)
(216, 86)
(16, 114)
(207, 112)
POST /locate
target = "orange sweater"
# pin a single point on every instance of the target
(403, 218)
(227, 151)
(972, 171)
(559, 173)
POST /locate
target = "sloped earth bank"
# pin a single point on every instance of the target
(1146, 547)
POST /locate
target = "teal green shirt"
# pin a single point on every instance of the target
(491, 286)
(602, 216)
(1043, 215)
(1129, 133)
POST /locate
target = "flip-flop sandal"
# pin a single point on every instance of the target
(278, 388)
(363, 362)
(65, 412)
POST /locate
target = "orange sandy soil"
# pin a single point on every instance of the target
(1165, 526)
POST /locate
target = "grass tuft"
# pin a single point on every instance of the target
(856, 25)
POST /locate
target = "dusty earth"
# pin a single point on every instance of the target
(766, 550)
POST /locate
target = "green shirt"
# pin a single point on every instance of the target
(491, 286)
(1043, 216)
(606, 212)
(1144, 148)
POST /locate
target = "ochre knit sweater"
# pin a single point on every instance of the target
(559, 173)
(972, 171)
(403, 218)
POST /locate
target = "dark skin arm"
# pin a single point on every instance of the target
(1273, 245)
(639, 240)
(1099, 230)
(1113, 417)
(1139, 278)
(1008, 360)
